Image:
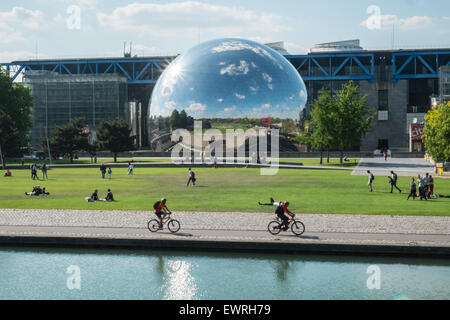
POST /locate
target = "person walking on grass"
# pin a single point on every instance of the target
(413, 190)
(393, 182)
(191, 178)
(371, 179)
(103, 170)
(109, 173)
(34, 172)
(130, 168)
(44, 172)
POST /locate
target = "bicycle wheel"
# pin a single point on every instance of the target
(174, 226)
(274, 228)
(153, 225)
(298, 228)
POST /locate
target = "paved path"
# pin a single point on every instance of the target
(249, 227)
(407, 167)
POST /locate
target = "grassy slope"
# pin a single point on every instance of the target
(222, 190)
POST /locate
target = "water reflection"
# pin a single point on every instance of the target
(180, 285)
(283, 268)
(176, 280)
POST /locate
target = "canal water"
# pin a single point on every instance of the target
(73, 274)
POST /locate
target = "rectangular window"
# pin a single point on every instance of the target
(383, 100)
(383, 115)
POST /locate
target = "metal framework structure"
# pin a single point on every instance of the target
(312, 67)
(136, 70)
(339, 66)
(418, 64)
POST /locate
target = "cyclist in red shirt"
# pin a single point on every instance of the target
(281, 211)
(161, 211)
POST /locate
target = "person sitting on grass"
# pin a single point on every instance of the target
(93, 197)
(8, 173)
(109, 196)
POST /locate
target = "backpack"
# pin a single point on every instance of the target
(279, 211)
(156, 205)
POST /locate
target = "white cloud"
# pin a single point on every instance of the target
(30, 19)
(231, 109)
(170, 105)
(269, 80)
(240, 96)
(237, 45)
(187, 17)
(8, 34)
(386, 22)
(196, 108)
(220, 100)
(233, 70)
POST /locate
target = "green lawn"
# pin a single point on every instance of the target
(309, 191)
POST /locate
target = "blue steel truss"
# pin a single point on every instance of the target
(418, 64)
(313, 67)
(136, 70)
(329, 67)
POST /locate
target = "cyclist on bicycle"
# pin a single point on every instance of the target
(161, 211)
(281, 211)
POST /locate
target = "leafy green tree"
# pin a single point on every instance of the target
(175, 120)
(339, 121)
(15, 104)
(437, 133)
(320, 134)
(352, 119)
(10, 139)
(115, 136)
(69, 139)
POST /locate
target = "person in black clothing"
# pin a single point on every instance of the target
(413, 190)
(109, 196)
(34, 172)
(103, 170)
(393, 182)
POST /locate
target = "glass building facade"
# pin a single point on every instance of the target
(60, 98)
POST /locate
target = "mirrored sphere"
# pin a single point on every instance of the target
(230, 79)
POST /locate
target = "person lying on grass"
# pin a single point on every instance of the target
(37, 191)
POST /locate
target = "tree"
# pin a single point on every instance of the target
(69, 139)
(437, 133)
(320, 134)
(116, 137)
(15, 107)
(175, 120)
(351, 119)
(10, 140)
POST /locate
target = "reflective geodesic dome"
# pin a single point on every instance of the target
(229, 79)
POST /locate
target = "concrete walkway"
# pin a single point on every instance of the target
(406, 167)
(344, 233)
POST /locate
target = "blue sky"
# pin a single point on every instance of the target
(160, 27)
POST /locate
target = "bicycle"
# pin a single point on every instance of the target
(172, 224)
(297, 227)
